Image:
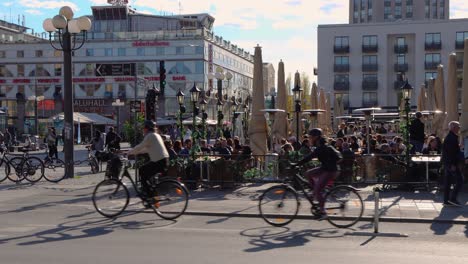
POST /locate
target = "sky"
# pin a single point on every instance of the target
(285, 29)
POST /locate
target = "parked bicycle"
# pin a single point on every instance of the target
(169, 197)
(54, 168)
(24, 166)
(92, 160)
(279, 204)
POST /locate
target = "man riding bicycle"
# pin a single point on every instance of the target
(153, 145)
(329, 157)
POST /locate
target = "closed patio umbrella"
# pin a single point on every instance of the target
(452, 93)
(258, 126)
(280, 124)
(422, 99)
(464, 110)
(439, 100)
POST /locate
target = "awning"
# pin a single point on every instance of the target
(87, 118)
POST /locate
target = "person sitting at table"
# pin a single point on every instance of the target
(170, 149)
(305, 147)
(177, 146)
(237, 146)
(230, 144)
(204, 146)
(223, 149)
(353, 144)
(433, 147)
(185, 152)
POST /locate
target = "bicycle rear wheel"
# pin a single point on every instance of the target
(344, 206)
(279, 205)
(170, 200)
(110, 198)
(4, 170)
(94, 165)
(16, 173)
(54, 170)
(34, 169)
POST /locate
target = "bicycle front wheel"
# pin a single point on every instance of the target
(94, 165)
(170, 200)
(279, 205)
(16, 173)
(54, 170)
(4, 170)
(344, 206)
(110, 198)
(34, 169)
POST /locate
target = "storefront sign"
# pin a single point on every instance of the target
(88, 80)
(21, 81)
(178, 78)
(124, 79)
(150, 44)
(90, 105)
(2, 81)
(48, 80)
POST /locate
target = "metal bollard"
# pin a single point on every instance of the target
(376, 211)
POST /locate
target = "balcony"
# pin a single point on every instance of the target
(459, 44)
(341, 67)
(341, 86)
(370, 67)
(341, 49)
(370, 85)
(398, 85)
(401, 48)
(369, 103)
(433, 45)
(370, 48)
(459, 64)
(431, 65)
(401, 67)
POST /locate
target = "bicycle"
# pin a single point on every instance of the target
(279, 204)
(92, 160)
(169, 199)
(25, 167)
(55, 169)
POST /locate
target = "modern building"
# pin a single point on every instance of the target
(185, 44)
(364, 62)
(372, 11)
(268, 78)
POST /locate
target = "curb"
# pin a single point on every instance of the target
(387, 219)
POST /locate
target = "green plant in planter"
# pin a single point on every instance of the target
(133, 136)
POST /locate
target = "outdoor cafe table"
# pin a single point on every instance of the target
(206, 160)
(426, 159)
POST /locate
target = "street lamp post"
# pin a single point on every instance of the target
(219, 107)
(69, 31)
(118, 104)
(368, 116)
(297, 93)
(36, 99)
(194, 95)
(406, 91)
(180, 99)
(234, 106)
(203, 104)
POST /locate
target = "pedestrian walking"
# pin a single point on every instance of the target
(416, 131)
(451, 156)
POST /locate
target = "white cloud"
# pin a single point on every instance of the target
(50, 4)
(7, 4)
(34, 12)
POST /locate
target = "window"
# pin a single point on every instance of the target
(342, 60)
(199, 50)
(397, 12)
(140, 68)
(432, 38)
(2, 54)
(430, 75)
(369, 41)
(199, 67)
(57, 53)
(341, 41)
(398, 2)
(108, 92)
(363, 4)
(341, 78)
(434, 8)
(409, 11)
(121, 52)
(401, 42)
(387, 3)
(369, 77)
(369, 4)
(409, 2)
(39, 53)
(20, 68)
(140, 51)
(89, 52)
(387, 12)
(461, 36)
(159, 50)
(442, 12)
(369, 60)
(432, 58)
(369, 99)
(89, 69)
(426, 9)
(401, 59)
(108, 52)
(179, 50)
(20, 53)
(344, 98)
(363, 15)
(356, 4)
(58, 69)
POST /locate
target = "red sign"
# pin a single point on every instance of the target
(85, 80)
(154, 78)
(21, 81)
(150, 44)
(178, 78)
(48, 80)
(2, 81)
(124, 79)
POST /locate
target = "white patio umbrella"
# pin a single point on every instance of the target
(452, 93)
(439, 100)
(464, 110)
(422, 99)
(280, 124)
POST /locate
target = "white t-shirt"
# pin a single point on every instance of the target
(153, 145)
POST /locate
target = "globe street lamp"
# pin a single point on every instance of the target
(118, 104)
(297, 94)
(71, 35)
(36, 99)
(180, 100)
(203, 104)
(219, 108)
(194, 95)
(406, 91)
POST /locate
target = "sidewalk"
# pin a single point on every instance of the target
(395, 206)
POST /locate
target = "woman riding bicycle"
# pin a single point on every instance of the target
(153, 145)
(329, 157)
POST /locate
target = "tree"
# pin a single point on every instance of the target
(131, 135)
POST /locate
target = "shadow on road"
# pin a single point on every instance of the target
(268, 238)
(86, 228)
(447, 214)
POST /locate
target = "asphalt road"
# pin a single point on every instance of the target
(52, 225)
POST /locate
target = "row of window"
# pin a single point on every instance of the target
(372, 40)
(431, 5)
(368, 99)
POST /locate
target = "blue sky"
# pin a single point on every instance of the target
(286, 29)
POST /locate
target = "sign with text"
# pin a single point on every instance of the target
(90, 105)
(115, 69)
(136, 106)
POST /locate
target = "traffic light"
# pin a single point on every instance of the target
(162, 77)
(150, 112)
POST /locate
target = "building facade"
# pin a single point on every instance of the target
(364, 63)
(268, 78)
(185, 44)
(372, 11)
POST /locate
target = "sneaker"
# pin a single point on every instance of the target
(455, 203)
(447, 204)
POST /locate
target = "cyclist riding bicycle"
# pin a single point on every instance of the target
(153, 145)
(329, 157)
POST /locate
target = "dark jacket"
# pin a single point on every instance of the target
(451, 150)
(327, 155)
(417, 130)
(113, 140)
